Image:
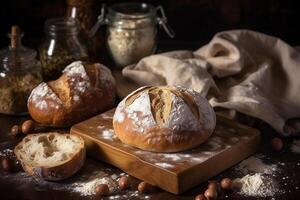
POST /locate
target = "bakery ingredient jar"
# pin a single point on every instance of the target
(132, 30)
(20, 72)
(61, 46)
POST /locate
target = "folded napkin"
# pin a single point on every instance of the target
(241, 70)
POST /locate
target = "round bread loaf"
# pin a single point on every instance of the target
(164, 119)
(83, 90)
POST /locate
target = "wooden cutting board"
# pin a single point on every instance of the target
(173, 172)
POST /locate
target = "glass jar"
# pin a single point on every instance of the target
(132, 30)
(61, 46)
(86, 13)
(20, 72)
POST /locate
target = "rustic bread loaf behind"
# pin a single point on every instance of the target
(83, 90)
(51, 156)
(164, 119)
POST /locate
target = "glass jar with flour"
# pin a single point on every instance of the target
(132, 30)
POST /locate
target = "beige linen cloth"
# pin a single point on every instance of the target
(246, 71)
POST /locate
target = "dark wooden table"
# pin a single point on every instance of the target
(17, 185)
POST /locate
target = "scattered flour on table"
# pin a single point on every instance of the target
(6, 152)
(257, 185)
(254, 164)
(130, 194)
(88, 188)
(257, 179)
(296, 146)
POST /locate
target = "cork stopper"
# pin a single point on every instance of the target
(15, 36)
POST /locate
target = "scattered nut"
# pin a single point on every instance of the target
(226, 183)
(6, 165)
(236, 185)
(28, 126)
(212, 185)
(277, 144)
(200, 197)
(124, 183)
(211, 194)
(144, 187)
(101, 190)
(15, 130)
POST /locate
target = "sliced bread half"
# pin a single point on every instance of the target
(51, 156)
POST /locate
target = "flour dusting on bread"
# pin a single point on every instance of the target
(41, 94)
(180, 117)
(166, 117)
(76, 69)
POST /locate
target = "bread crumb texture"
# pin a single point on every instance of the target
(49, 149)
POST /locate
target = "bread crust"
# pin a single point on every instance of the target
(53, 173)
(61, 103)
(161, 138)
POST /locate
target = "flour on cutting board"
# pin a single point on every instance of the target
(106, 133)
(222, 139)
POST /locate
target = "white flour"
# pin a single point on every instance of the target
(164, 165)
(6, 152)
(181, 116)
(108, 134)
(77, 69)
(257, 185)
(88, 188)
(256, 165)
(257, 180)
(296, 146)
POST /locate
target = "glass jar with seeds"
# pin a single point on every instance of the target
(132, 30)
(20, 72)
(61, 46)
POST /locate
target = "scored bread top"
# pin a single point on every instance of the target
(48, 149)
(71, 86)
(171, 107)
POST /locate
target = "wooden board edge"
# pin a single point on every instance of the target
(245, 148)
(98, 150)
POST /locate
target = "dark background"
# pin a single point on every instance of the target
(194, 21)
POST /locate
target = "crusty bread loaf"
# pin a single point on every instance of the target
(82, 91)
(164, 119)
(51, 156)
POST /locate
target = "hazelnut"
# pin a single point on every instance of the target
(6, 165)
(15, 130)
(101, 190)
(236, 185)
(200, 197)
(277, 144)
(124, 182)
(212, 185)
(211, 194)
(28, 126)
(226, 183)
(144, 187)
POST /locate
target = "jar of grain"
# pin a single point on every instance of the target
(20, 72)
(132, 30)
(61, 46)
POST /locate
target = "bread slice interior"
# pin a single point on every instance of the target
(49, 149)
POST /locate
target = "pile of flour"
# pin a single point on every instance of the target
(257, 179)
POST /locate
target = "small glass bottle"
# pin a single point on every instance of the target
(20, 72)
(61, 46)
(132, 30)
